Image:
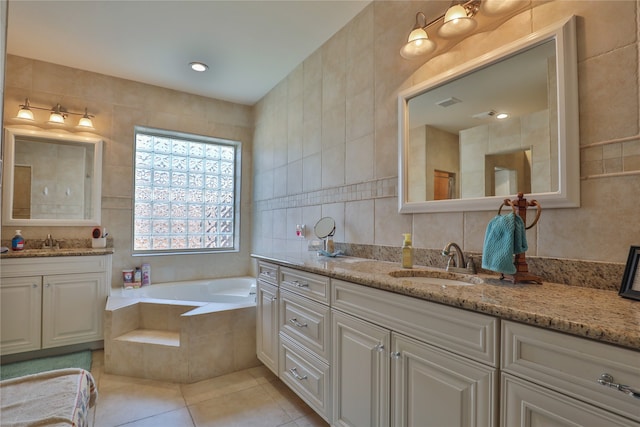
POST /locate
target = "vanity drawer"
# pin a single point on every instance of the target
(45, 266)
(310, 285)
(306, 323)
(572, 365)
(307, 376)
(466, 333)
(268, 272)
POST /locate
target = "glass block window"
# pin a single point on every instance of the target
(186, 193)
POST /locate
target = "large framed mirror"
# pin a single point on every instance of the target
(51, 179)
(504, 123)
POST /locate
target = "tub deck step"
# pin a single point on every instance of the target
(152, 336)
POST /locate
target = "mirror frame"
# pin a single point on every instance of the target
(8, 175)
(568, 193)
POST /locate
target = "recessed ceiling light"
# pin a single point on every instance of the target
(199, 66)
(501, 116)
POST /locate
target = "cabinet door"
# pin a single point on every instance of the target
(432, 387)
(360, 372)
(525, 404)
(20, 321)
(267, 325)
(72, 308)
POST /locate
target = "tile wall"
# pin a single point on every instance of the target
(119, 105)
(325, 141)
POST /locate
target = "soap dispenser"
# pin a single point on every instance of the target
(407, 252)
(17, 243)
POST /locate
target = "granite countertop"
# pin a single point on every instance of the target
(40, 253)
(597, 314)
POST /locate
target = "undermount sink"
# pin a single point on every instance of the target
(433, 277)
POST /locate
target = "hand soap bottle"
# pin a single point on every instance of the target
(407, 252)
(17, 243)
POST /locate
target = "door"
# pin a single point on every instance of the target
(433, 388)
(72, 308)
(267, 325)
(20, 321)
(360, 372)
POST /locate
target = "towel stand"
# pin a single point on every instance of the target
(519, 207)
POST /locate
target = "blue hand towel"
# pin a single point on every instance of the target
(505, 237)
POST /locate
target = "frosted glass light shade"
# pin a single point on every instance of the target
(25, 113)
(56, 118)
(85, 122)
(417, 44)
(456, 22)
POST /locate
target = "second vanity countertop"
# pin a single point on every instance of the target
(41, 253)
(600, 315)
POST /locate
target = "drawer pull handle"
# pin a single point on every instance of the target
(298, 324)
(607, 380)
(300, 285)
(294, 372)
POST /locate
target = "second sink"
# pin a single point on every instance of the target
(434, 277)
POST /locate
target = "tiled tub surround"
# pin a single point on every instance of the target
(177, 341)
(586, 312)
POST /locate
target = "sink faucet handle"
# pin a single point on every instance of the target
(471, 265)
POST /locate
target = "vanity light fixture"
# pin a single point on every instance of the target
(458, 20)
(57, 116)
(199, 66)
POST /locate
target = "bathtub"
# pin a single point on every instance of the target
(231, 290)
(200, 329)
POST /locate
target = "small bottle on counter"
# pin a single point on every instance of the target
(17, 243)
(407, 252)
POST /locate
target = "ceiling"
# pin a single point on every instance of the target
(249, 46)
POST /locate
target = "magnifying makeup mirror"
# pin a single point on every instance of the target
(325, 227)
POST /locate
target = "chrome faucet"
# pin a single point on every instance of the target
(457, 259)
(50, 243)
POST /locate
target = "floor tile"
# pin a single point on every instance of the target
(245, 408)
(251, 397)
(124, 399)
(178, 418)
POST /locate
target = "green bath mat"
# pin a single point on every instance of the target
(81, 359)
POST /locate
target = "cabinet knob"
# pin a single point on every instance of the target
(607, 380)
(294, 372)
(395, 355)
(294, 321)
(34, 286)
(274, 298)
(379, 348)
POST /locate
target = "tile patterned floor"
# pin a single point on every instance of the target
(252, 397)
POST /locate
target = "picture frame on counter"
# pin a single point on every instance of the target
(630, 287)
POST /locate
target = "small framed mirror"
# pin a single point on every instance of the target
(51, 179)
(504, 123)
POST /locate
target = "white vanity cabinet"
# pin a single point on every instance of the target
(551, 379)
(267, 345)
(305, 337)
(50, 302)
(20, 314)
(401, 361)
